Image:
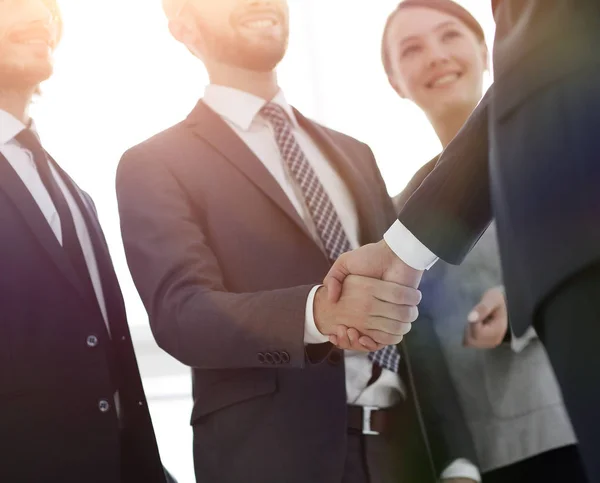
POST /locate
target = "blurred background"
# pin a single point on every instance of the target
(120, 78)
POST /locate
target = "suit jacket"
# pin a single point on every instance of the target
(52, 377)
(543, 190)
(512, 402)
(224, 265)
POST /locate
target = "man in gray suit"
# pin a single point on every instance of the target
(230, 221)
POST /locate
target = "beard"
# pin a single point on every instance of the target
(19, 77)
(244, 52)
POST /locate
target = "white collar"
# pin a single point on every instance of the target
(239, 107)
(10, 126)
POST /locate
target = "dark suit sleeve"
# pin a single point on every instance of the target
(444, 423)
(451, 209)
(193, 316)
(414, 183)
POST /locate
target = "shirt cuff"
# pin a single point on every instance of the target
(408, 247)
(518, 344)
(461, 468)
(311, 333)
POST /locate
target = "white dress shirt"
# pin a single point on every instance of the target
(241, 111)
(22, 162)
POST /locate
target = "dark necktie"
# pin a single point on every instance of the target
(70, 240)
(72, 247)
(325, 217)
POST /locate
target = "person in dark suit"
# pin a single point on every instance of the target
(509, 393)
(230, 220)
(528, 156)
(72, 406)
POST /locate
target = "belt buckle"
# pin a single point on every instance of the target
(367, 412)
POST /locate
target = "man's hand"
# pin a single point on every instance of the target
(383, 311)
(376, 260)
(488, 322)
(351, 339)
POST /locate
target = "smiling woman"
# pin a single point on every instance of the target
(434, 53)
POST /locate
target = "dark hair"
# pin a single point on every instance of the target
(447, 6)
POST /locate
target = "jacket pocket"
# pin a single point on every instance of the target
(228, 391)
(519, 384)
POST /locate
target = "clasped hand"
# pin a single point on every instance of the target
(369, 299)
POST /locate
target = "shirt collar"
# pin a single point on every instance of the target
(239, 107)
(10, 126)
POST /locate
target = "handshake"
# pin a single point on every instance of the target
(369, 300)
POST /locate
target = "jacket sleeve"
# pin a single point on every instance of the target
(414, 183)
(192, 315)
(452, 208)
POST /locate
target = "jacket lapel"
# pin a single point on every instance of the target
(365, 203)
(16, 190)
(205, 123)
(88, 210)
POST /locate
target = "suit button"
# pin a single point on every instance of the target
(103, 406)
(269, 358)
(261, 358)
(335, 358)
(277, 357)
(92, 341)
(285, 357)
